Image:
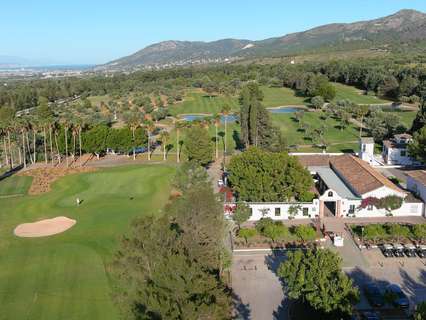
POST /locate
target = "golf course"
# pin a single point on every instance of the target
(66, 276)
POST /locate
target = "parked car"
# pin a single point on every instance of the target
(398, 298)
(374, 295)
(387, 250)
(370, 315)
(421, 251)
(410, 250)
(138, 150)
(398, 250)
(220, 183)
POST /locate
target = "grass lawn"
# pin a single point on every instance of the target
(14, 185)
(407, 117)
(355, 95)
(96, 100)
(275, 97)
(196, 102)
(338, 140)
(66, 276)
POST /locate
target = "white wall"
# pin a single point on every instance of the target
(267, 210)
(383, 192)
(394, 157)
(407, 209)
(367, 152)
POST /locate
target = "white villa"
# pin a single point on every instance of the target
(341, 184)
(395, 150)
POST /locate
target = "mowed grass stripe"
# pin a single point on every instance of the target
(15, 185)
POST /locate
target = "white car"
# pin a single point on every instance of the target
(220, 183)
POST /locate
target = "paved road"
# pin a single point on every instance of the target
(258, 291)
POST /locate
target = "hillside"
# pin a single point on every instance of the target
(403, 26)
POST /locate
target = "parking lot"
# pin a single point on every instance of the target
(258, 291)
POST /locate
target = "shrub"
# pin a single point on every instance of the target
(419, 231)
(247, 233)
(275, 231)
(374, 232)
(305, 232)
(398, 231)
(262, 223)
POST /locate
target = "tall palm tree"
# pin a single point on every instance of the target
(149, 127)
(65, 123)
(133, 121)
(216, 119)
(178, 126)
(164, 136)
(5, 151)
(10, 128)
(225, 111)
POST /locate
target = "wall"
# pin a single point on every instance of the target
(383, 192)
(394, 157)
(407, 209)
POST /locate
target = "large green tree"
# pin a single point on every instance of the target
(198, 145)
(257, 175)
(170, 268)
(316, 276)
(417, 149)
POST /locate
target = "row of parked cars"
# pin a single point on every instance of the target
(394, 293)
(401, 250)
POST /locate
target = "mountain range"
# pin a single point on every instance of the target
(403, 26)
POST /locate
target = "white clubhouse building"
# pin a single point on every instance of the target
(341, 184)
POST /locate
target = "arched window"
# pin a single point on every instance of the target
(330, 193)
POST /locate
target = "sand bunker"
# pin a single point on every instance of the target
(44, 228)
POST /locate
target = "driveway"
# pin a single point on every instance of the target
(258, 292)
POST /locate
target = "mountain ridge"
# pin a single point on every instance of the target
(404, 25)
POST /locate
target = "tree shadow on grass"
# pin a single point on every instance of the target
(11, 172)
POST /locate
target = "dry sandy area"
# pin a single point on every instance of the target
(44, 228)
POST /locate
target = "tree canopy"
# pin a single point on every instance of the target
(257, 175)
(316, 277)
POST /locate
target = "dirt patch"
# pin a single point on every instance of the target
(44, 177)
(44, 228)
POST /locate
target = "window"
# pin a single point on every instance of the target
(277, 212)
(251, 212)
(370, 207)
(363, 148)
(306, 211)
(403, 153)
(352, 208)
(330, 193)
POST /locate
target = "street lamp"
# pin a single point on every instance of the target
(362, 236)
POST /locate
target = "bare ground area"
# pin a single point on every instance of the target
(44, 177)
(44, 228)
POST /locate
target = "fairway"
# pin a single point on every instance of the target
(14, 185)
(276, 97)
(355, 95)
(66, 276)
(337, 140)
(196, 102)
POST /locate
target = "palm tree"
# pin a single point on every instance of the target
(65, 124)
(150, 127)
(225, 111)
(216, 119)
(164, 136)
(133, 120)
(178, 125)
(3, 134)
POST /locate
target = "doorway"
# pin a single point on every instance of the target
(330, 208)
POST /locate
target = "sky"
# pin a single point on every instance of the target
(98, 31)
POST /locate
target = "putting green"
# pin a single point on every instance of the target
(65, 276)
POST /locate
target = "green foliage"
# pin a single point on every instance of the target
(397, 231)
(305, 232)
(257, 175)
(169, 268)
(198, 145)
(256, 125)
(374, 232)
(247, 233)
(419, 231)
(294, 210)
(241, 214)
(190, 175)
(316, 277)
(275, 231)
(263, 223)
(317, 102)
(417, 149)
(420, 313)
